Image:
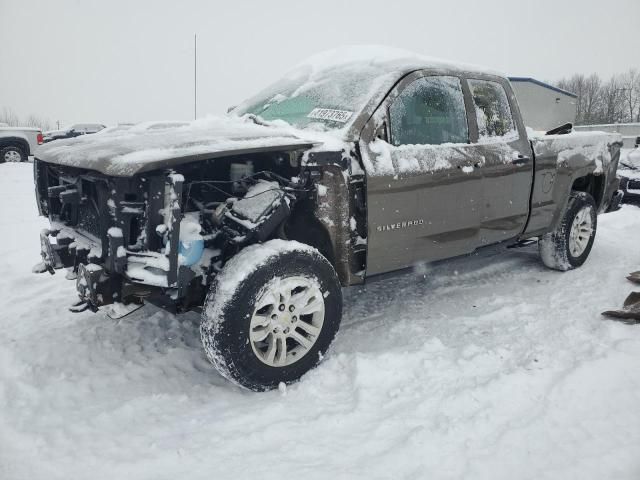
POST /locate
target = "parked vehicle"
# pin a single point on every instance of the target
(629, 171)
(73, 131)
(339, 172)
(18, 143)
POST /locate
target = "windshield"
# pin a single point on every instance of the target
(324, 100)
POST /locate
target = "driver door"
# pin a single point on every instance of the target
(424, 179)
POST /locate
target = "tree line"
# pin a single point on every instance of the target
(11, 118)
(616, 100)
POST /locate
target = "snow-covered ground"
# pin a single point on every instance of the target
(478, 368)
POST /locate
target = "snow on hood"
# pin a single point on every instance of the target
(136, 150)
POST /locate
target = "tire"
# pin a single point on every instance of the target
(570, 244)
(12, 154)
(248, 296)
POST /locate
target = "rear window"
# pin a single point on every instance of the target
(493, 111)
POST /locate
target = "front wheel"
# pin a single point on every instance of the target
(570, 244)
(12, 154)
(271, 314)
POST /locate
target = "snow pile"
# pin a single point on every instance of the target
(190, 227)
(191, 245)
(482, 367)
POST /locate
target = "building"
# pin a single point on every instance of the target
(630, 131)
(543, 106)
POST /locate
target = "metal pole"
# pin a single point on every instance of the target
(195, 76)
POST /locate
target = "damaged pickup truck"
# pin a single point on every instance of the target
(343, 170)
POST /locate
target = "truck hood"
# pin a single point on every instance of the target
(144, 148)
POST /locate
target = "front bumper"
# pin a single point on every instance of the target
(107, 270)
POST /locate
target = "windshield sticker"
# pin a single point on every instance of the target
(328, 114)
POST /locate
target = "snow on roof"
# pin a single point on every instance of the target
(21, 129)
(347, 81)
(385, 58)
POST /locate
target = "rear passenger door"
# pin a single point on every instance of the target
(424, 194)
(507, 165)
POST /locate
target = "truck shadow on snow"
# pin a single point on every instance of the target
(382, 300)
(169, 345)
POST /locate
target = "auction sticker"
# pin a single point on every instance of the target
(329, 114)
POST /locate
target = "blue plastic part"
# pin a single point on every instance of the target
(191, 252)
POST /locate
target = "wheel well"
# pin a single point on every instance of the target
(15, 142)
(303, 227)
(591, 184)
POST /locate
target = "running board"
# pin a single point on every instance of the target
(523, 243)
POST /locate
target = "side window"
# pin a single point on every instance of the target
(429, 111)
(492, 109)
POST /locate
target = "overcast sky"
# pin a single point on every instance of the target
(120, 61)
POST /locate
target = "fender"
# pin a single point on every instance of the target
(17, 141)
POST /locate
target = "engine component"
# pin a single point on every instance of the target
(239, 171)
(264, 207)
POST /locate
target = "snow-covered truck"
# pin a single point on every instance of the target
(357, 163)
(17, 144)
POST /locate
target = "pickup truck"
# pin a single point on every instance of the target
(352, 166)
(73, 131)
(18, 143)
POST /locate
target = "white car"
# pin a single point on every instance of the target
(18, 143)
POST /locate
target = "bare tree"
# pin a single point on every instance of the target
(631, 91)
(577, 85)
(614, 101)
(38, 122)
(9, 117)
(591, 96)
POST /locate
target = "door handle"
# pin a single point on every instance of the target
(477, 164)
(520, 160)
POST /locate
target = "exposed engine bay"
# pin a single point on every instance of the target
(165, 233)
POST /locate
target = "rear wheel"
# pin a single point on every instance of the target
(12, 154)
(271, 315)
(570, 244)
